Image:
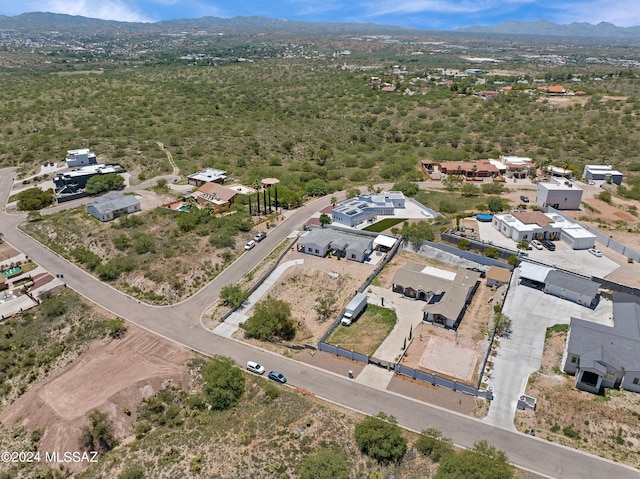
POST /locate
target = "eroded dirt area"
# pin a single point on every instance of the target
(113, 376)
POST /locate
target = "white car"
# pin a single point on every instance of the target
(595, 252)
(536, 244)
(255, 367)
(250, 245)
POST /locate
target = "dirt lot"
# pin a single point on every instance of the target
(301, 285)
(605, 425)
(112, 375)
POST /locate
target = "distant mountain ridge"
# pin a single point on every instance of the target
(545, 27)
(39, 21)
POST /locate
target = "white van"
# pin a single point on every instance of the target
(255, 367)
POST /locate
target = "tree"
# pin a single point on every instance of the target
(271, 320)
(97, 436)
(493, 188)
(325, 219)
(381, 438)
(353, 192)
(325, 464)
(501, 324)
(325, 305)
(100, 183)
(417, 232)
(408, 188)
(452, 182)
(522, 245)
(605, 196)
(233, 295)
(495, 205)
(333, 201)
(433, 444)
(223, 383)
(469, 189)
(483, 461)
(35, 199)
(316, 187)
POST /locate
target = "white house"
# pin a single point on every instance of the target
(602, 356)
(109, 207)
(530, 225)
(365, 208)
(559, 194)
(602, 173)
(80, 157)
(207, 175)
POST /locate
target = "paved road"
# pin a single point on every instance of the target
(180, 323)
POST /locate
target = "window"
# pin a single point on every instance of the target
(525, 237)
(574, 359)
(317, 252)
(636, 381)
(353, 256)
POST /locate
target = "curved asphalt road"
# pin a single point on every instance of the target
(181, 323)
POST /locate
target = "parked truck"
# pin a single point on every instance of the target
(354, 308)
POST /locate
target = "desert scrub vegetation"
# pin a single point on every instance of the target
(285, 434)
(158, 256)
(46, 338)
(348, 134)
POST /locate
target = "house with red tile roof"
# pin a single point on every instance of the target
(556, 90)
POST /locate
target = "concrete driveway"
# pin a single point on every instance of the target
(531, 312)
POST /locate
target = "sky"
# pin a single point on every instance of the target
(427, 14)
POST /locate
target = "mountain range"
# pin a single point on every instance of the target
(42, 22)
(545, 27)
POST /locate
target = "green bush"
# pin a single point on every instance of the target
(233, 295)
(53, 307)
(271, 391)
(223, 383)
(132, 471)
(431, 443)
(380, 438)
(271, 320)
(464, 244)
(35, 199)
(325, 464)
(86, 257)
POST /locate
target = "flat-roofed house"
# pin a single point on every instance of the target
(109, 207)
(207, 175)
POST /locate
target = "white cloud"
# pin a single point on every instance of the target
(103, 9)
(311, 7)
(400, 7)
(624, 13)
